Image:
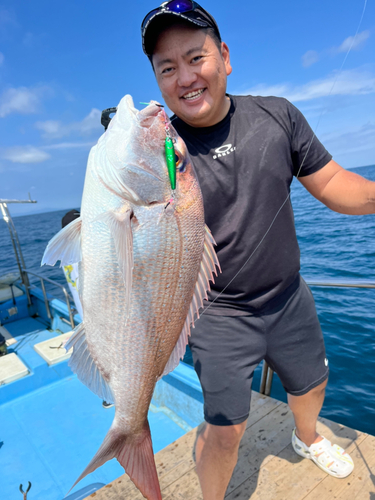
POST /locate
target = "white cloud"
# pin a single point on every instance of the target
(1, 58)
(91, 122)
(53, 129)
(351, 43)
(22, 100)
(350, 82)
(310, 58)
(25, 154)
(8, 20)
(354, 42)
(71, 145)
(351, 140)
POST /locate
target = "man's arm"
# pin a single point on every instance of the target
(341, 190)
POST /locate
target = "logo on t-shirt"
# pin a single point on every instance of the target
(225, 150)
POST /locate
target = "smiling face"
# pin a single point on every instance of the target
(192, 75)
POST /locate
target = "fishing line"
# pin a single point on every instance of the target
(299, 170)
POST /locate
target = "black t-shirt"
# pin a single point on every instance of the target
(245, 165)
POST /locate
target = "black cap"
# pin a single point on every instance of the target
(185, 10)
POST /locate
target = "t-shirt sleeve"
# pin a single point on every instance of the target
(308, 153)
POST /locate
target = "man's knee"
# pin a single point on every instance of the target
(318, 389)
(315, 392)
(226, 437)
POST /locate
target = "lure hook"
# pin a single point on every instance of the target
(156, 104)
(25, 492)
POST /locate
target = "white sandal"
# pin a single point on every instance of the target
(330, 458)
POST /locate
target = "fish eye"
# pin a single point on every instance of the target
(180, 164)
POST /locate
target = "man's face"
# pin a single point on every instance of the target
(192, 75)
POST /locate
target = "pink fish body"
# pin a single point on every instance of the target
(145, 260)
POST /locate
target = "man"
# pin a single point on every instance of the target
(245, 151)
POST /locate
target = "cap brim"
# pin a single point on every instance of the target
(157, 23)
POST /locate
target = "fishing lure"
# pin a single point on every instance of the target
(170, 154)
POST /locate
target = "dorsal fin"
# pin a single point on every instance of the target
(206, 274)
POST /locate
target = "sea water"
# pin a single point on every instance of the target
(333, 247)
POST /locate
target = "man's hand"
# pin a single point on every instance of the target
(341, 190)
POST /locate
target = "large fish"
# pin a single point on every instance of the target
(146, 258)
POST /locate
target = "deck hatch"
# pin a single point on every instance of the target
(52, 351)
(11, 368)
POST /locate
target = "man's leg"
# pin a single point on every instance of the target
(306, 410)
(226, 351)
(308, 443)
(295, 350)
(216, 457)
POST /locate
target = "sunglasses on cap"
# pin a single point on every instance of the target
(197, 16)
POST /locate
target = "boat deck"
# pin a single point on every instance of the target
(268, 468)
(52, 425)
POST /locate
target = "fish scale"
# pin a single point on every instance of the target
(146, 258)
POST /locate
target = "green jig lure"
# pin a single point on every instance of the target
(171, 160)
(170, 154)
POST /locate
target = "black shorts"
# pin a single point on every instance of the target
(227, 349)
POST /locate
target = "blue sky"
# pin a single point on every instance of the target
(61, 63)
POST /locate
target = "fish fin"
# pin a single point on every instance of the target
(65, 246)
(120, 226)
(206, 274)
(84, 366)
(135, 454)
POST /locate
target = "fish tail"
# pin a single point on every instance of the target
(135, 454)
(137, 458)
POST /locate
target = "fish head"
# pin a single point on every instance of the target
(157, 126)
(135, 151)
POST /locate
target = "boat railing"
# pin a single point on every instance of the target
(24, 273)
(267, 372)
(15, 241)
(46, 302)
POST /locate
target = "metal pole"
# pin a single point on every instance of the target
(267, 391)
(16, 236)
(43, 279)
(266, 379)
(342, 284)
(24, 276)
(6, 219)
(263, 379)
(69, 308)
(45, 299)
(16, 248)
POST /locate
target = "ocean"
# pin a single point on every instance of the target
(333, 247)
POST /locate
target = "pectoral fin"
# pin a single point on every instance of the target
(120, 226)
(65, 246)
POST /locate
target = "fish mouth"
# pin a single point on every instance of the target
(152, 110)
